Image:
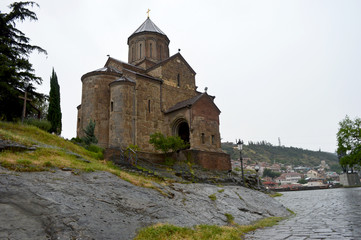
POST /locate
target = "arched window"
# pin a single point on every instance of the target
(178, 80)
(149, 106)
(140, 50)
(160, 52)
(150, 49)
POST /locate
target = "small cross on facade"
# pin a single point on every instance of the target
(148, 12)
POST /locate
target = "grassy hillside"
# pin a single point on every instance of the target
(265, 152)
(53, 152)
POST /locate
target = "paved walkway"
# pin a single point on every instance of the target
(320, 214)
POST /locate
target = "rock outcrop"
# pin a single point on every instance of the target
(99, 205)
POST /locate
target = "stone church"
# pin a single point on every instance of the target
(152, 92)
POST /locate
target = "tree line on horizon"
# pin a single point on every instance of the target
(266, 152)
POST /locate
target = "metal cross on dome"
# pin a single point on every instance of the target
(148, 12)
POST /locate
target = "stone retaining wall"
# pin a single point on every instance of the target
(350, 179)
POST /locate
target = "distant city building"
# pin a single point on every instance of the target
(312, 174)
(275, 167)
(289, 178)
(301, 169)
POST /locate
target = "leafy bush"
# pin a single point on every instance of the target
(39, 123)
(77, 140)
(269, 173)
(96, 149)
(166, 144)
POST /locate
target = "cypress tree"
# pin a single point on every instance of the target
(54, 111)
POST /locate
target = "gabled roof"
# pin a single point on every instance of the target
(189, 103)
(125, 65)
(144, 75)
(170, 58)
(131, 68)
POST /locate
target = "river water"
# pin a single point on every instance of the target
(320, 214)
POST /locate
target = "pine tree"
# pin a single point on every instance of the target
(16, 72)
(54, 111)
(90, 137)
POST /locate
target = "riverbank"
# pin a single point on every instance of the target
(100, 205)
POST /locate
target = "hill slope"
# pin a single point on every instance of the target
(265, 152)
(49, 152)
(69, 194)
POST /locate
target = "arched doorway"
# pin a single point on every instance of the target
(181, 129)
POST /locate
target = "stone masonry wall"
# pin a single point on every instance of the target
(148, 110)
(208, 160)
(151, 45)
(171, 92)
(205, 126)
(122, 115)
(95, 105)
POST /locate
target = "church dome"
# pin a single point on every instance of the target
(148, 26)
(148, 45)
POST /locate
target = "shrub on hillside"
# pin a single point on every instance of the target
(97, 150)
(166, 144)
(39, 123)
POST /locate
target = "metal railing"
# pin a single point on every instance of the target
(132, 157)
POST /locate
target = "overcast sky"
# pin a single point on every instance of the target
(279, 69)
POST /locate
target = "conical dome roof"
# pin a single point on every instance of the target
(148, 26)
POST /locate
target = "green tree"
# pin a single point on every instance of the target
(54, 110)
(302, 181)
(90, 137)
(349, 143)
(16, 72)
(269, 173)
(167, 144)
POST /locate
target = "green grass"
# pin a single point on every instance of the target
(239, 196)
(276, 194)
(203, 232)
(290, 211)
(221, 190)
(230, 218)
(55, 152)
(213, 197)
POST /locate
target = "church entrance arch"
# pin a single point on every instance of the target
(181, 129)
